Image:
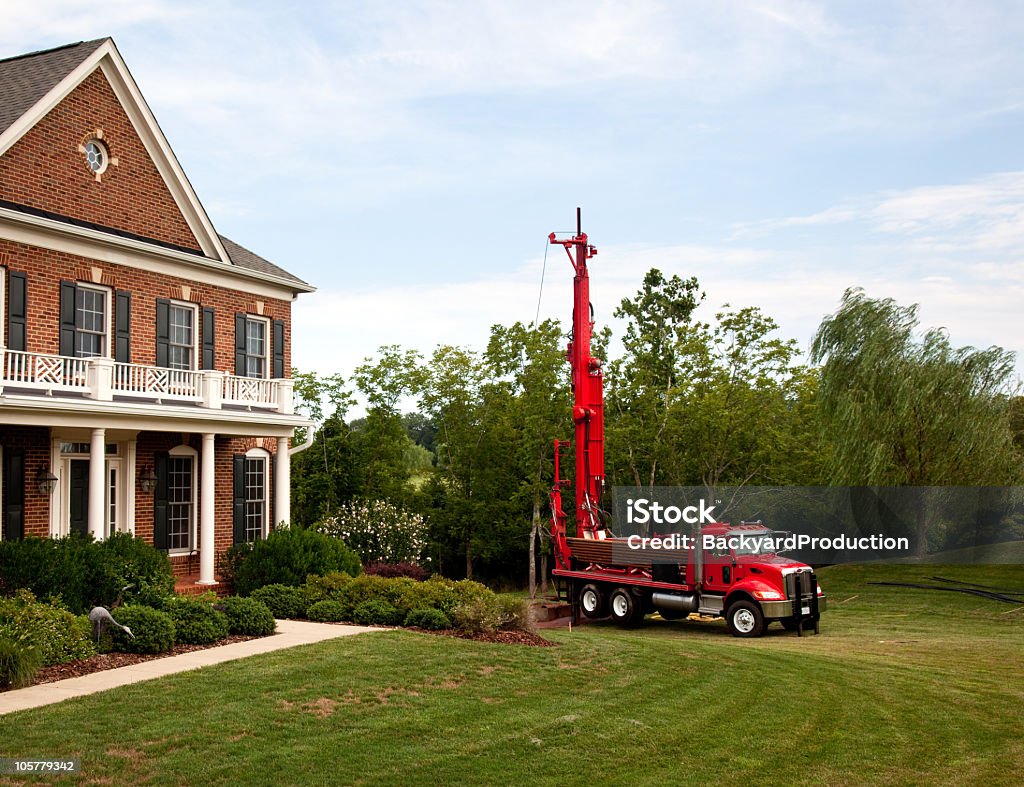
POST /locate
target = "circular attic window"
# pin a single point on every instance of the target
(96, 156)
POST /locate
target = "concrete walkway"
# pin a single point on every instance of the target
(289, 634)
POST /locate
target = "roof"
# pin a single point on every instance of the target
(26, 79)
(244, 258)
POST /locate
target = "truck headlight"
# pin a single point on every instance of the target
(768, 595)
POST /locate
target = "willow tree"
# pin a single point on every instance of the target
(899, 408)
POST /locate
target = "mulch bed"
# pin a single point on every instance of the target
(105, 661)
(500, 637)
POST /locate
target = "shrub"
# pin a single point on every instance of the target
(196, 622)
(477, 616)
(327, 612)
(377, 612)
(288, 556)
(83, 572)
(231, 560)
(19, 663)
(50, 628)
(410, 570)
(325, 588)
(378, 531)
(427, 618)
(248, 616)
(283, 601)
(490, 614)
(154, 630)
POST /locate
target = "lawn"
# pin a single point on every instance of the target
(902, 687)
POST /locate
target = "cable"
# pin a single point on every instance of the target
(543, 271)
(970, 591)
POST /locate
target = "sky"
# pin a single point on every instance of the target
(409, 158)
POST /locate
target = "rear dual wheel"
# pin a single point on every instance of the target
(593, 601)
(626, 609)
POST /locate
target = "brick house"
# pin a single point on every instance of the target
(144, 382)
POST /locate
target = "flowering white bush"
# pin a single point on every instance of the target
(378, 531)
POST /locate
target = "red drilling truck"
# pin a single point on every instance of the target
(718, 570)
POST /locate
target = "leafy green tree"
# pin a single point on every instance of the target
(898, 410)
(642, 385)
(528, 362)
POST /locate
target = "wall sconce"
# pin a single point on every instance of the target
(147, 480)
(46, 481)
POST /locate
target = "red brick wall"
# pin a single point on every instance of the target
(46, 268)
(46, 170)
(35, 440)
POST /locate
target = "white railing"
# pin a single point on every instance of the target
(250, 391)
(134, 379)
(45, 372)
(101, 379)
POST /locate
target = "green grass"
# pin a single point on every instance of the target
(902, 687)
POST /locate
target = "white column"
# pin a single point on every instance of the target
(283, 483)
(100, 379)
(128, 479)
(97, 483)
(207, 493)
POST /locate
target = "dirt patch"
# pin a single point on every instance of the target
(500, 637)
(105, 661)
(321, 708)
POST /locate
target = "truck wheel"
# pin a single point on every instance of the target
(626, 610)
(593, 601)
(744, 619)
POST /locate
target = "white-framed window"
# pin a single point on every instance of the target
(97, 157)
(257, 497)
(181, 499)
(92, 321)
(257, 346)
(181, 333)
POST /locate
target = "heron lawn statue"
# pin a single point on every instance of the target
(99, 616)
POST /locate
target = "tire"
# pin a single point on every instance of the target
(593, 601)
(744, 619)
(625, 608)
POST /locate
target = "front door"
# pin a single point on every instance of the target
(79, 492)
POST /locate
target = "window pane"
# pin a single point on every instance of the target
(179, 502)
(255, 498)
(181, 321)
(90, 322)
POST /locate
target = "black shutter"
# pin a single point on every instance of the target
(160, 502)
(14, 493)
(68, 291)
(240, 345)
(123, 327)
(163, 332)
(208, 342)
(238, 505)
(17, 310)
(278, 349)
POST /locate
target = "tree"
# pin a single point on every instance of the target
(530, 362)
(897, 410)
(642, 384)
(741, 413)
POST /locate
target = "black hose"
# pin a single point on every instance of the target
(970, 591)
(1010, 591)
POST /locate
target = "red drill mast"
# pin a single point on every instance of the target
(587, 412)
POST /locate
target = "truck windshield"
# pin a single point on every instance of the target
(758, 542)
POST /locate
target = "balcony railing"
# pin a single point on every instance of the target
(102, 379)
(132, 379)
(44, 372)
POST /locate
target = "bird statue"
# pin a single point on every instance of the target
(100, 615)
